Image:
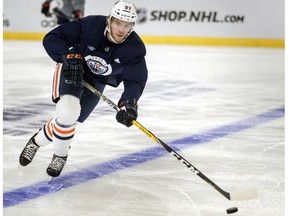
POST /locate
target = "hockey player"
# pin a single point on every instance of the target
(66, 11)
(102, 51)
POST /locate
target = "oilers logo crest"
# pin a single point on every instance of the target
(98, 65)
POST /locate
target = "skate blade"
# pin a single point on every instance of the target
(50, 178)
(54, 185)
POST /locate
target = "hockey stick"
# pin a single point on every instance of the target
(234, 196)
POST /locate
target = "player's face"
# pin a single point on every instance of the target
(120, 29)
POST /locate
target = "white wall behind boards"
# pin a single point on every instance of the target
(192, 18)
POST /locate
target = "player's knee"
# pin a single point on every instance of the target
(68, 109)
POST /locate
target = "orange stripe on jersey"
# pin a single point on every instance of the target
(56, 81)
(64, 132)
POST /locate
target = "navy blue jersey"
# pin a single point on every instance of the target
(104, 61)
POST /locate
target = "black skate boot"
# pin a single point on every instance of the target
(55, 167)
(29, 151)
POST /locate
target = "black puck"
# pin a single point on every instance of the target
(232, 210)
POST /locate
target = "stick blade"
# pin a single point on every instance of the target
(244, 195)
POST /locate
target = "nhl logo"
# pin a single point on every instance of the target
(142, 15)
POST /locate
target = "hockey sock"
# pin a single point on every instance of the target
(45, 136)
(62, 138)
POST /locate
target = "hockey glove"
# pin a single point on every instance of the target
(72, 68)
(45, 9)
(77, 14)
(128, 111)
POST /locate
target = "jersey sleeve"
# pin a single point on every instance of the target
(135, 71)
(58, 41)
(134, 80)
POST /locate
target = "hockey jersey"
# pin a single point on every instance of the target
(104, 61)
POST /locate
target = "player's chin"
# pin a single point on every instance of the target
(119, 38)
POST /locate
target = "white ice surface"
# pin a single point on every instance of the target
(191, 90)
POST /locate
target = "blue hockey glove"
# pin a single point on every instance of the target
(72, 68)
(128, 111)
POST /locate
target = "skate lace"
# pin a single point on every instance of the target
(57, 163)
(30, 151)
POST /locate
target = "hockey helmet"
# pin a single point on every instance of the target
(125, 11)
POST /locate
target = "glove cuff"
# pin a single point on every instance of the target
(131, 102)
(70, 55)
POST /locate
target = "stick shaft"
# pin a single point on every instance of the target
(238, 196)
(182, 159)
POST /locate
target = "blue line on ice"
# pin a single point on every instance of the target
(43, 188)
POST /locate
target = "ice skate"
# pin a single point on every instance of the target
(55, 167)
(29, 151)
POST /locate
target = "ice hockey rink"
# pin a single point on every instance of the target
(221, 108)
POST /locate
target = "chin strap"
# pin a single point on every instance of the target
(107, 33)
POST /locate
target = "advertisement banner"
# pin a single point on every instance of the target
(262, 19)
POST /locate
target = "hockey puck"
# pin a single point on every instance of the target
(232, 210)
